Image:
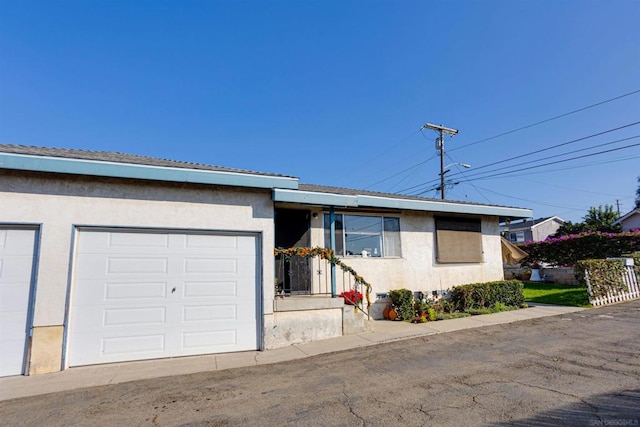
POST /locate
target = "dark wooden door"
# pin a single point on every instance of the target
(292, 230)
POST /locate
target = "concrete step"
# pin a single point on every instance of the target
(354, 322)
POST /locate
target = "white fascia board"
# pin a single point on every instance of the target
(134, 171)
(444, 206)
(314, 198)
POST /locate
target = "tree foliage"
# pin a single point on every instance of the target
(597, 219)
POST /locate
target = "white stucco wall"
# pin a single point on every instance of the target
(417, 269)
(59, 204)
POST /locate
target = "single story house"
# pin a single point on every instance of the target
(530, 229)
(109, 257)
(630, 220)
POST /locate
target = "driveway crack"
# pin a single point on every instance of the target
(347, 403)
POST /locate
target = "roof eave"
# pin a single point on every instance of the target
(340, 200)
(144, 172)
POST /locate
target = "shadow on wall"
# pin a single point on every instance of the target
(611, 409)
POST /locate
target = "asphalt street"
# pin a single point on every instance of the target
(578, 369)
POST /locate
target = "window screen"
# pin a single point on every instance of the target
(458, 240)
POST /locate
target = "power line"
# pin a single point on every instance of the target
(401, 172)
(551, 157)
(551, 147)
(547, 120)
(536, 152)
(510, 173)
(579, 190)
(511, 131)
(513, 174)
(569, 159)
(531, 201)
(368, 162)
(464, 176)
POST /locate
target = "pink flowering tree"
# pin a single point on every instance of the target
(568, 250)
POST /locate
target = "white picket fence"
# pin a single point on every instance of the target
(632, 291)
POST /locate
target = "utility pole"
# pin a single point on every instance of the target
(618, 204)
(440, 148)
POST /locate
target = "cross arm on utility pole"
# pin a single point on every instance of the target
(440, 146)
(440, 129)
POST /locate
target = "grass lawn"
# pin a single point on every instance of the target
(550, 293)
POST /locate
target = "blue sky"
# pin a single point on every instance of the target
(335, 92)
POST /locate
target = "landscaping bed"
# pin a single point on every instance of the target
(465, 300)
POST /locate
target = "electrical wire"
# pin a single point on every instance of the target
(551, 147)
(508, 132)
(550, 157)
(475, 169)
(569, 159)
(514, 173)
(547, 120)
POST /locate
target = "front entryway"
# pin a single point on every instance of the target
(292, 230)
(143, 294)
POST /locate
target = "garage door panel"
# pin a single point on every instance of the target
(17, 257)
(195, 295)
(206, 339)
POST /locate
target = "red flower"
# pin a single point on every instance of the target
(351, 297)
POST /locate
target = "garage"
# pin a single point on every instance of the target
(146, 294)
(17, 260)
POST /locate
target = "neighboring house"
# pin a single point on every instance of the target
(629, 221)
(530, 229)
(109, 257)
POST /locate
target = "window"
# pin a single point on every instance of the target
(368, 236)
(517, 237)
(458, 240)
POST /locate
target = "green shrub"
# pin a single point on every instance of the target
(606, 276)
(485, 295)
(402, 300)
(432, 314)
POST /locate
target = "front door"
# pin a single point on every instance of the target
(292, 230)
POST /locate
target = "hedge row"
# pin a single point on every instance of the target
(568, 250)
(482, 295)
(606, 276)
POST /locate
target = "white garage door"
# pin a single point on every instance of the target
(16, 275)
(145, 295)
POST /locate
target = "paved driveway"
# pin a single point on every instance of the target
(577, 369)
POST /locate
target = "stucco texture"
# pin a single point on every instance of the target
(60, 203)
(417, 268)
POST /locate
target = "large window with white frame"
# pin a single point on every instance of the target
(364, 235)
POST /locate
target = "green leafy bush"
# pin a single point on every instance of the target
(606, 276)
(402, 300)
(485, 295)
(568, 250)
